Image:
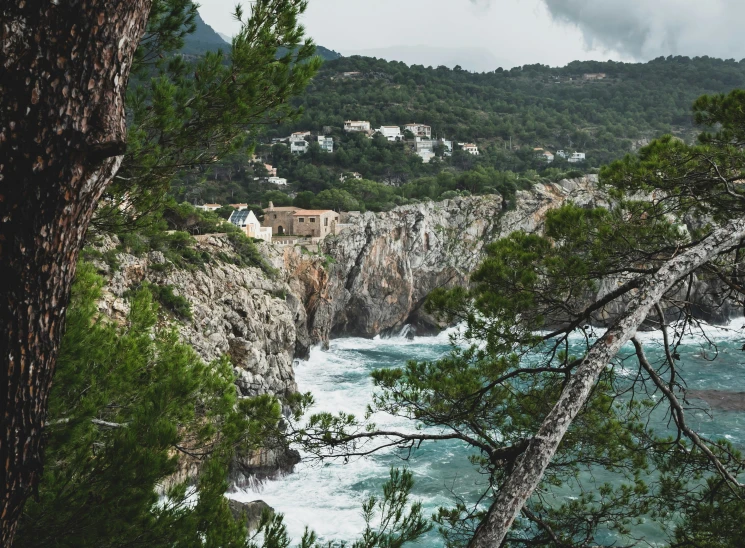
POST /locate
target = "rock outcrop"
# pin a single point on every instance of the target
(374, 276)
(236, 311)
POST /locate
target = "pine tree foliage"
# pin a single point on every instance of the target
(185, 113)
(128, 403)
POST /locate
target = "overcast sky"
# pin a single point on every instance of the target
(485, 34)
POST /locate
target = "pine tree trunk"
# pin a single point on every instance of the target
(63, 72)
(532, 464)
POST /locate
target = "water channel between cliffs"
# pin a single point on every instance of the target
(327, 498)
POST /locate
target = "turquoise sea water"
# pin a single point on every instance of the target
(328, 497)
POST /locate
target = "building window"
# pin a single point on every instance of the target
(326, 222)
(312, 219)
(275, 216)
(301, 220)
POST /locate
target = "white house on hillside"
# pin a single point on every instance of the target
(426, 155)
(576, 157)
(544, 155)
(246, 220)
(326, 143)
(299, 147)
(470, 148)
(209, 207)
(281, 181)
(419, 130)
(392, 133)
(356, 125)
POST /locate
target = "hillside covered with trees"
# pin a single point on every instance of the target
(507, 113)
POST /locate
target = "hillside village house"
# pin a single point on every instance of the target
(350, 175)
(299, 147)
(326, 143)
(470, 148)
(419, 130)
(290, 220)
(239, 207)
(576, 157)
(247, 221)
(272, 171)
(594, 76)
(392, 133)
(209, 207)
(544, 155)
(356, 125)
(281, 181)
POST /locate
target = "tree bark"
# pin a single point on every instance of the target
(532, 464)
(63, 73)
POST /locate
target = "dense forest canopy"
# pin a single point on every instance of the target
(535, 105)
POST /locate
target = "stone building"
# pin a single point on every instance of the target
(279, 219)
(309, 223)
(316, 223)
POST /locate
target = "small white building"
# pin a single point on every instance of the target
(424, 144)
(419, 130)
(326, 143)
(562, 154)
(281, 181)
(426, 155)
(470, 148)
(299, 147)
(350, 175)
(544, 155)
(246, 220)
(239, 207)
(209, 207)
(392, 133)
(299, 136)
(356, 125)
(576, 157)
(448, 146)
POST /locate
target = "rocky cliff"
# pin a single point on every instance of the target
(371, 278)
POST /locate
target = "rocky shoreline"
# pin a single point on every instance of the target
(370, 279)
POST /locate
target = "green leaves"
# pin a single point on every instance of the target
(184, 114)
(131, 404)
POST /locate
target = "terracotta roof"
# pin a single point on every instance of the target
(313, 212)
(211, 205)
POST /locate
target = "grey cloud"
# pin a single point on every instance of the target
(649, 28)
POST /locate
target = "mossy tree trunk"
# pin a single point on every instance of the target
(63, 72)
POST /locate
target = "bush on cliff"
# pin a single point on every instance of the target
(128, 403)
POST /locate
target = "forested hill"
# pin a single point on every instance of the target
(535, 105)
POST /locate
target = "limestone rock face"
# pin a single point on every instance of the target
(373, 277)
(236, 311)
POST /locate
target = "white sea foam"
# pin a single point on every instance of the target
(328, 498)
